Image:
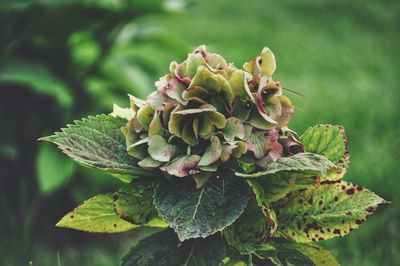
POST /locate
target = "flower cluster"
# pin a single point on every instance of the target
(206, 112)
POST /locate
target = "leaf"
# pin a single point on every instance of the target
(304, 254)
(325, 211)
(160, 150)
(234, 128)
(305, 163)
(330, 141)
(99, 143)
(53, 169)
(36, 76)
(165, 249)
(249, 230)
(182, 165)
(212, 153)
(201, 212)
(274, 187)
(96, 215)
(136, 209)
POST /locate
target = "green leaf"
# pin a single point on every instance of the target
(53, 169)
(160, 150)
(274, 187)
(96, 215)
(37, 77)
(201, 212)
(165, 249)
(305, 163)
(330, 141)
(250, 230)
(136, 209)
(325, 211)
(99, 143)
(304, 254)
(327, 140)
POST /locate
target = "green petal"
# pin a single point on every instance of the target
(212, 153)
(155, 127)
(234, 128)
(126, 113)
(160, 150)
(182, 166)
(149, 162)
(214, 83)
(267, 64)
(145, 115)
(139, 149)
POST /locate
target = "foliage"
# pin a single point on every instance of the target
(199, 152)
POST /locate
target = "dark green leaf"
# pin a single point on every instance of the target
(201, 212)
(98, 142)
(165, 249)
(136, 208)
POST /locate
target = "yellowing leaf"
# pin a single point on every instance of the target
(96, 215)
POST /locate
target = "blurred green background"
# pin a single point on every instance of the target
(63, 60)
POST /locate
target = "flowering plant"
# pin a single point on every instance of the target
(209, 154)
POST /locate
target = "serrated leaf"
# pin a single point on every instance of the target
(99, 143)
(304, 163)
(201, 212)
(325, 211)
(330, 141)
(250, 230)
(277, 186)
(165, 249)
(134, 208)
(53, 169)
(96, 215)
(304, 254)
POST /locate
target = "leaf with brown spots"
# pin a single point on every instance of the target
(304, 254)
(328, 210)
(330, 141)
(136, 208)
(250, 230)
(96, 215)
